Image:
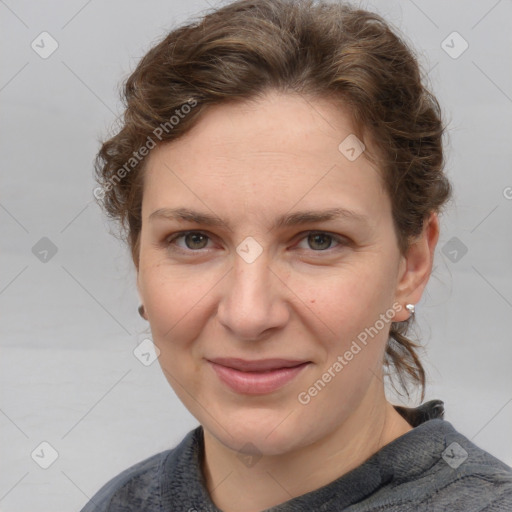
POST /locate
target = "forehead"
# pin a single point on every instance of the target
(276, 151)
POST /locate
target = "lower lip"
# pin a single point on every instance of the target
(256, 383)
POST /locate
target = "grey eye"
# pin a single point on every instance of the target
(195, 240)
(322, 241)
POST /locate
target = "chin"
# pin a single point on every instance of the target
(261, 432)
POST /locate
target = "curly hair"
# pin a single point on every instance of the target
(248, 47)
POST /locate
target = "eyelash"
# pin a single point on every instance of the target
(342, 241)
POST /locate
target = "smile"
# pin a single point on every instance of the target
(256, 377)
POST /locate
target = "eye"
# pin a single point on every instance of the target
(194, 240)
(321, 241)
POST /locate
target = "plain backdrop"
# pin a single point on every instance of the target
(69, 321)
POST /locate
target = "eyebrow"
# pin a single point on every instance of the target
(286, 220)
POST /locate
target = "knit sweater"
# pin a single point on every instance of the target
(430, 468)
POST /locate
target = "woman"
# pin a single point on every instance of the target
(279, 175)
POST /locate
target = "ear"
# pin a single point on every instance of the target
(143, 313)
(416, 267)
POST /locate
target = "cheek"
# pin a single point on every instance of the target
(346, 300)
(350, 303)
(174, 299)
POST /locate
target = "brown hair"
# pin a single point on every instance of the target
(248, 47)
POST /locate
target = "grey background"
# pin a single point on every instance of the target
(69, 325)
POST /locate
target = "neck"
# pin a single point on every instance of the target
(275, 479)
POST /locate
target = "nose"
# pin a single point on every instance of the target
(253, 302)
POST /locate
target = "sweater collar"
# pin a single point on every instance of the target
(183, 484)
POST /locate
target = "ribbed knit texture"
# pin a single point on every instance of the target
(420, 471)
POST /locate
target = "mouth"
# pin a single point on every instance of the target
(256, 377)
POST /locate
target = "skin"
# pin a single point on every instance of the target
(247, 163)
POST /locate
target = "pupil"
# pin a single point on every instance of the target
(318, 238)
(195, 239)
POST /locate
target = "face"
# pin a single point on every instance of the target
(271, 324)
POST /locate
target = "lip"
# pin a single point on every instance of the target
(256, 377)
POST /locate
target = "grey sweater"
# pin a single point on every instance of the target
(430, 468)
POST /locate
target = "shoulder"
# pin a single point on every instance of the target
(481, 481)
(139, 484)
(456, 474)
(145, 485)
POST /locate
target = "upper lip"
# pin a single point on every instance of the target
(256, 366)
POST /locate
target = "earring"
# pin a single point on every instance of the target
(142, 312)
(410, 308)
